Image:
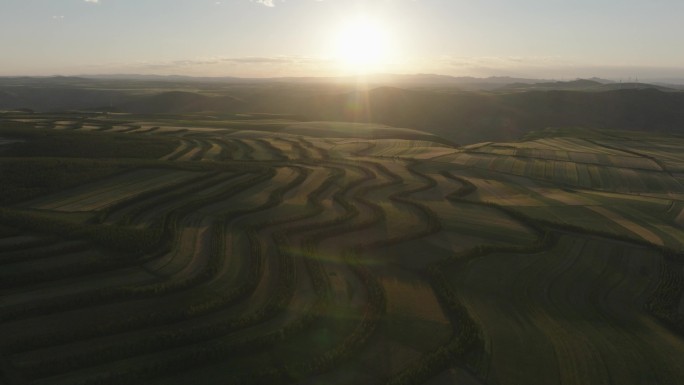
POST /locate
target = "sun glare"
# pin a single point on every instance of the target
(363, 46)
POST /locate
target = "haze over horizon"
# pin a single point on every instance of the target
(277, 38)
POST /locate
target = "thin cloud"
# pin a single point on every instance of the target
(268, 3)
(244, 66)
(92, 1)
(271, 3)
(253, 60)
(256, 60)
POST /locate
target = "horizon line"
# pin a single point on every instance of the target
(672, 80)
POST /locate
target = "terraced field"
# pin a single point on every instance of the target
(290, 252)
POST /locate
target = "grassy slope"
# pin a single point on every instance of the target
(573, 314)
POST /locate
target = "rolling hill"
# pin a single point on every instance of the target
(459, 116)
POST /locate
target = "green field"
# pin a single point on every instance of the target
(187, 249)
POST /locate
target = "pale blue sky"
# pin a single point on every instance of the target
(549, 38)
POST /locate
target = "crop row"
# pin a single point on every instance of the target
(164, 235)
(165, 340)
(276, 305)
(322, 153)
(433, 224)
(170, 286)
(664, 302)
(373, 310)
(301, 152)
(187, 186)
(465, 348)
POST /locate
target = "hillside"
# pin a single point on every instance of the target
(150, 249)
(181, 102)
(459, 116)
(475, 117)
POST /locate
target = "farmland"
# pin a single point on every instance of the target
(177, 249)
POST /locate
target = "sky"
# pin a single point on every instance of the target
(550, 39)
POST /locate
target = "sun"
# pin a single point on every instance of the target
(363, 46)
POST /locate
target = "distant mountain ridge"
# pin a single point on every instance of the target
(463, 82)
(583, 85)
(506, 113)
(372, 78)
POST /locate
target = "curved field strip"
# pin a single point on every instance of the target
(343, 295)
(205, 146)
(92, 127)
(602, 177)
(297, 151)
(509, 194)
(348, 147)
(84, 358)
(192, 242)
(192, 128)
(146, 130)
(316, 196)
(126, 128)
(100, 295)
(153, 209)
(456, 226)
(631, 226)
(302, 196)
(404, 354)
(416, 322)
(365, 218)
(228, 148)
(242, 150)
(255, 193)
(334, 222)
(413, 149)
(328, 129)
(163, 130)
(262, 150)
(606, 212)
(643, 220)
(125, 210)
(646, 150)
(301, 261)
(388, 347)
(183, 148)
(481, 222)
(102, 194)
(595, 155)
(573, 313)
(197, 223)
(314, 147)
(276, 152)
(578, 218)
(197, 148)
(284, 147)
(403, 218)
(215, 151)
(578, 145)
(66, 125)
